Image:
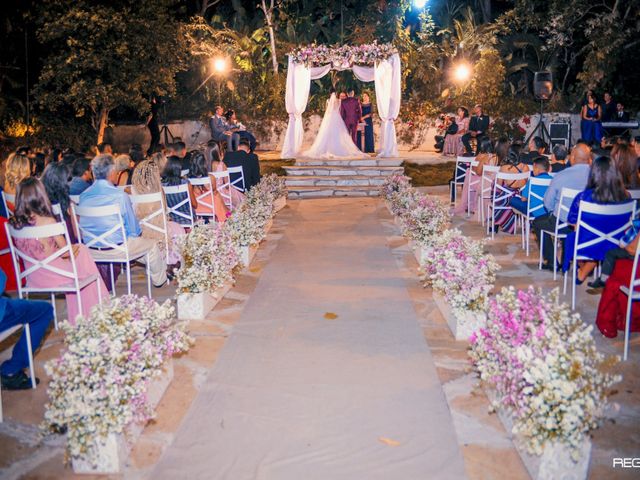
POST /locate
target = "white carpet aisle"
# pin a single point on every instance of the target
(298, 394)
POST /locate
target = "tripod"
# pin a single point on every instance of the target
(165, 128)
(544, 133)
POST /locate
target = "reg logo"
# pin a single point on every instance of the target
(626, 462)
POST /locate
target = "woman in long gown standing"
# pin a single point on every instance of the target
(367, 116)
(591, 125)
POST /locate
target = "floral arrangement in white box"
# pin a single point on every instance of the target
(544, 366)
(425, 220)
(209, 256)
(99, 383)
(273, 184)
(459, 269)
(246, 226)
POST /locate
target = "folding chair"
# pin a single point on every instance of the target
(562, 210)
(224, 189)
(474, 181)
(153, 198)
(70, 281)
(6, 199)
(206, 198)
(489, 173)
(529, 216)
(104, 250)
(4, 334)
(182, 191)
(462, 163)
(75, 199)
(238, 183)
(500, 193)
(599, 228)
(184, 173)
(633, 294)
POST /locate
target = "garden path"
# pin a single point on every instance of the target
(327, 374)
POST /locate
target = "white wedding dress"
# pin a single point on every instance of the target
(333, 140)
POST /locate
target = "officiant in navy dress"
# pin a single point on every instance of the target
(367, 118)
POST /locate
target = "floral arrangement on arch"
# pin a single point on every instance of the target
(343, 56)
(459, 269)
(543, 363)
(209, 256)
(99, 383)
(427, 218)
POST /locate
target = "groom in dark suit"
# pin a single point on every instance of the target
(351, 113)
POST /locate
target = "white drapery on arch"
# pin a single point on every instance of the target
(387, 78)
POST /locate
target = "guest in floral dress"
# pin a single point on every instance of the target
(34, 209)
(453, 142)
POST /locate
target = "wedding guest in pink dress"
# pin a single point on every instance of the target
(237, 197)
(453, 143)
(34, 209)
(469, 200)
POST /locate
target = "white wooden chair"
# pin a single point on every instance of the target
(499, 194)
(104, 250)
(462, 163)
(598, 227)
(239, 182)
(75, 199)
(184, 173)
(633, 295)
(562, 210)
(183, 192)
(4, 334)
(225, 188)
(156, 199)
(206, 197)
(474, 183)
(6, 198)
(489, 173)
(528, 217)
(70, 281)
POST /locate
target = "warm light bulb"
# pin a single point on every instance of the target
(419, 3)
(219, 65)
(462, 72)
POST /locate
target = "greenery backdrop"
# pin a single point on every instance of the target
(95, 61)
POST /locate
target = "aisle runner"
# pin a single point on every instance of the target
(326, 375)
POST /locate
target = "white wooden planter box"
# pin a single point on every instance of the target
(113, 451)
(420, 252)
(279, 204)
(555, 463)
(246, 254)
(461, 324)
(196, 306)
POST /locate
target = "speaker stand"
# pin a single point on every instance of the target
(544, 133)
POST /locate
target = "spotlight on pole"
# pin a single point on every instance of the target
(419, 4)
(462, 73)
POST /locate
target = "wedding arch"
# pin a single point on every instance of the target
(379, 63)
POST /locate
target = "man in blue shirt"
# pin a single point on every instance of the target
(540, 171)
(102, 193)
(80, 176)
(574, 177)
(16, 312)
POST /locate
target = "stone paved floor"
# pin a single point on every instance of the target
(487, 450)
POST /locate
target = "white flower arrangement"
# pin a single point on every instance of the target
(543, 363)
(459, 269)
(274, 185)
(425, 220)
(99, 383)
(209, 257)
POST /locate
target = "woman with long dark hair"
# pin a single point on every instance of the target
(486, 156)
(453, 142)
(591, 124)
(171, 177)
(34, 209)
(56, 183)
(199, 168)
(625, 159)
(604, 187)
(217, 165)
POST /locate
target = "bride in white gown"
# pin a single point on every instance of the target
(333, 139)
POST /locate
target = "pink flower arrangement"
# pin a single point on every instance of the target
(343, 55)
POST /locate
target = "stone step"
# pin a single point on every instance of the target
(335, 180)
(326, 170)
(329, 191)
(363, 162)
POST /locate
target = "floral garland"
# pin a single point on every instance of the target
(209, 255)
(99, 384)
(544, 365)
(342, 56)
(458, 268)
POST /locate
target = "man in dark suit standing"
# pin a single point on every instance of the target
(351, 113)
(608, 108)
(619, 116)
(245, 159)
(478, 127)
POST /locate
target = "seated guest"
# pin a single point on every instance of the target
(559, 155)
(618, 266)
(505, 219)
(453, 141)
(625, 160)
(102, 193)
(104, 148)
(574, 177)
(55, 180)
(34, 209)
(442, 122)
(540, 170)
(537, 147)
(478, 128)
(170, 178)
(200, 169)
(38, 164)
(80, 176)
(217, 165)
(486, 156)
(248, 161)
(222, 131)
(17, 168)
(123, 169)
(38, 315)
(604, 187)
(242, 131)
